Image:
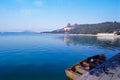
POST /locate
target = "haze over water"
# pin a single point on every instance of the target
(46, 56)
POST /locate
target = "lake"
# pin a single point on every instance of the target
(46, 56)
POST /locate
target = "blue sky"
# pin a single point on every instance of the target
(47, 15)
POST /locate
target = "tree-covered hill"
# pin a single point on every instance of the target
(106, 27)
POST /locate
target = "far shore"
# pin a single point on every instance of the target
(83, 34)
(116, 36)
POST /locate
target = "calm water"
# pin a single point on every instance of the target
(46, 56)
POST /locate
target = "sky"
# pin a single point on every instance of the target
(47, 15)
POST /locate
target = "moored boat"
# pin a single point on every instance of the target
(84, 66)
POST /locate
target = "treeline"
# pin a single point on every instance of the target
(106, 27)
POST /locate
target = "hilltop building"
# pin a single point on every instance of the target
(70, 27)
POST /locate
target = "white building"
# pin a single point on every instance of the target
(106, 34)
(67, 28)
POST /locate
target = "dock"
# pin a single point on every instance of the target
(109, 70)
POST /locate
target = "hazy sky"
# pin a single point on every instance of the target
(46, 15)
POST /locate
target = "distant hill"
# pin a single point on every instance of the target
(105, 27)
(24, 32)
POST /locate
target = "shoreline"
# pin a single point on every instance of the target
(116, 36)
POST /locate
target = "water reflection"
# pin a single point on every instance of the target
(109, 38)
(103, 42)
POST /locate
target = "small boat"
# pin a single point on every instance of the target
(84, 66)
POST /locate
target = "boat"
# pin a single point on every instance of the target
(84, 66)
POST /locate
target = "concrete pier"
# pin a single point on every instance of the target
(110, 70)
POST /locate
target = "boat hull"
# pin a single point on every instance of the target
(83, 67)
